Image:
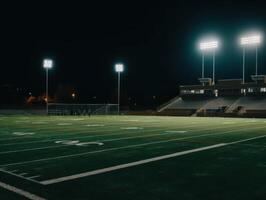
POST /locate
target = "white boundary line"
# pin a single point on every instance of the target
(127, 165)
(141, 162)
(20, 192)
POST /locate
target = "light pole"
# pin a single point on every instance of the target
(205, 47)
(118, 68)
(47, 64)
(202, 65)
(250, 41)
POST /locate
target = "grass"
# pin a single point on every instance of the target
(36, 149)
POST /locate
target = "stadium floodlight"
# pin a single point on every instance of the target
(252, 40)
(47, 64)
(119, 68)
(208, 46)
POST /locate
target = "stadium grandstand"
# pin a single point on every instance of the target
(226, 98)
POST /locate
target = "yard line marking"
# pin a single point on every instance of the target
(95, 125)
(78, 143)
(123, 147)
(130, 120)
(39, 122)
(131, 128)
(141, 162)
(64, 124)
(22, 121)
(17, 175)
(13, 171)
(175, 131)
(20, 192)
(23, 174)
(127, 165)
(33, 177)
(228, 122)
(251, 121)
(23, 133)
(245, 140)
(77, 119)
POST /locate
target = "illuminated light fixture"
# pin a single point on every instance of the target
(209, 45)
(250, 40)
(119, 67)
(47, 63)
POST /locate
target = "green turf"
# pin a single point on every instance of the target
(234, 171)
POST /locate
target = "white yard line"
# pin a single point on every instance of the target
(141, 162)
(124, 147)
(64, 124)
(20, 192)
(13, 171)
(23, 174)
(131, 128)
(33, 177)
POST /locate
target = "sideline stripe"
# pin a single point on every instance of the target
(141, 162)
(20, 192)
(117, 167)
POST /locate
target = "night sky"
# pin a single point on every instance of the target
(157, 42)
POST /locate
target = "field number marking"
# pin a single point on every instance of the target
(78, 143)
(23, 133)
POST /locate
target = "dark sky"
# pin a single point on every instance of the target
(157, 42)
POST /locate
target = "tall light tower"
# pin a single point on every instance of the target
(208, 47)
(250, 41)
(119, 68)
(47, 64)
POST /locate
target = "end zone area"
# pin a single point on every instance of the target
(131, 157)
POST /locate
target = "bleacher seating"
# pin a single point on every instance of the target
(220, 106)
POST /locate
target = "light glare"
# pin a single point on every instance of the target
(119, 67)
(208, 45)
(47, 63)
(249, 40)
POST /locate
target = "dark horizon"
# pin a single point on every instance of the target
(157, 42)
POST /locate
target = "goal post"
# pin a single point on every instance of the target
(82, 109)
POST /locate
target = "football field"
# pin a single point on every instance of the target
(132, 157)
